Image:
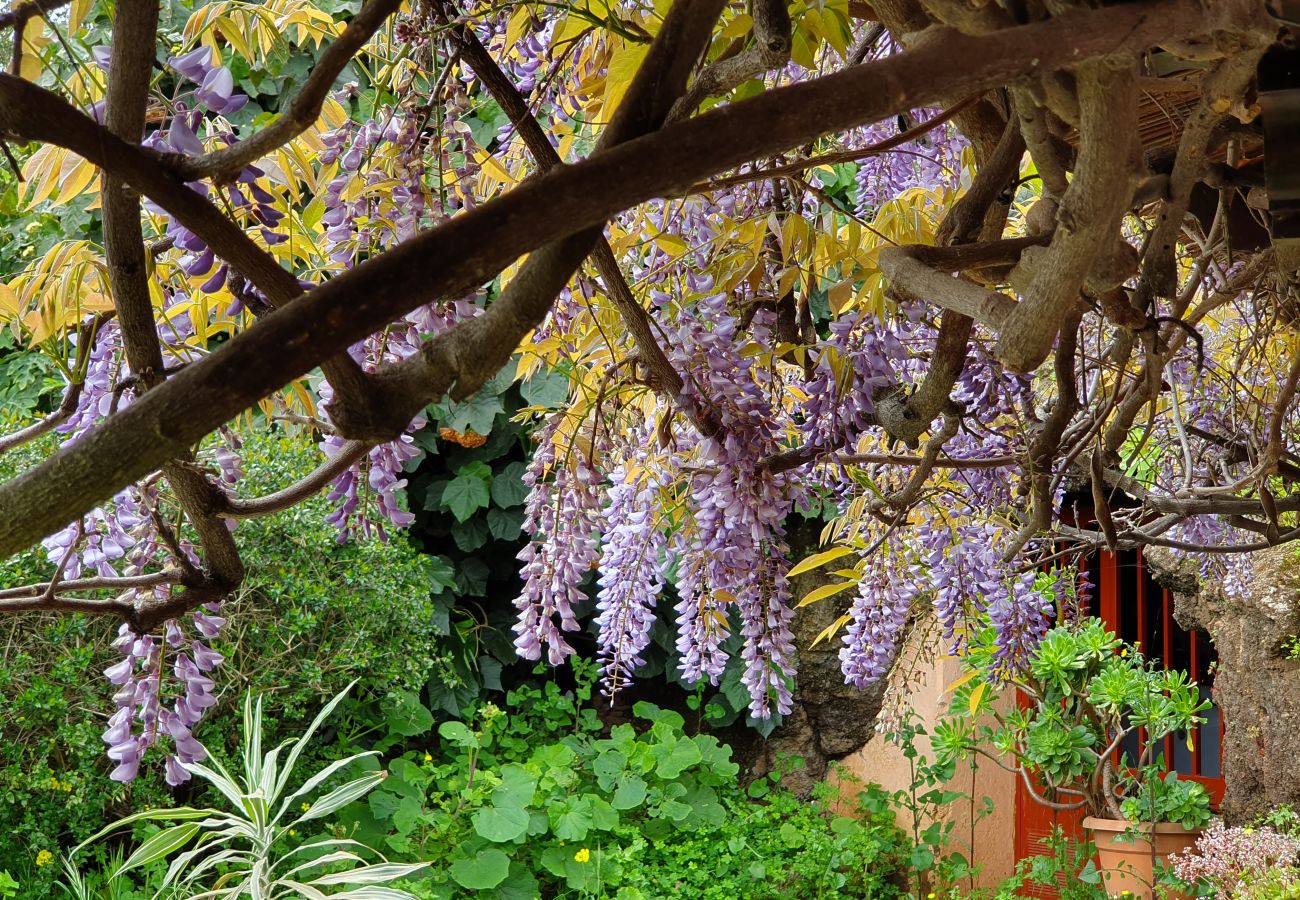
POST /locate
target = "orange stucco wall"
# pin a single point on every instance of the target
(882, 762)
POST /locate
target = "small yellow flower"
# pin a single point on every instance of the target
(929, 896)
(428, 758)
(582, 855)
(292, 833)
(44, 858)
(306, 806)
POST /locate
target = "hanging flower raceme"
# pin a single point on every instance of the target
(630, 577)
(876, 620)
(563, 512)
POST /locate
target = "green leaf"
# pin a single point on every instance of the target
(516, 788)
(471, 535)
(546, 387)
(501, 824)
(505, 524)
(521, 885)
(404, 714)
(475, 414)
(674, 758)
(485, 870)
(159, 846)
(921, 859)
(508, 487)
(441, 574)
(791, 836)
(630, 793)
(571, 819)
(465, 495)
(458, 733)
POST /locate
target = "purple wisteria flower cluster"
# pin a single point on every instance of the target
(163, 680)
(564, 514)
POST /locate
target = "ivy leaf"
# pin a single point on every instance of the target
(472, 577)
(547, 388)
(487, 869)
(471, 535)
(475, 414)
(465, 495)
(441, 574)
(508, 486)
(505, 524)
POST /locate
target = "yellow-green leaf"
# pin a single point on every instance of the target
(960, 681)
(829, 631)
(818, 560)
(826, 590)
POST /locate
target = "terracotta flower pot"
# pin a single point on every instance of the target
(1126, 865)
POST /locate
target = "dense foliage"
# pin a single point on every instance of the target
(623, 287)
(327, 614)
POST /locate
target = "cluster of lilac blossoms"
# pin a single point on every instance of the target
(631, 575)
(563, 513)
(162, 680)
(139, 678)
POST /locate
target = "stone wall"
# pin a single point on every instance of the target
(1256, 686)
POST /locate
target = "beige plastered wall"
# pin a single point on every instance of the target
(930, 675)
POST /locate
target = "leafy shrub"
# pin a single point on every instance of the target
(312, 617)
(1066, 868)
(534, 801)
(1089, 691)
(246, 849)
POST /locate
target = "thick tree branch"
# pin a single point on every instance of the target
(771, 48)
(465, 251)
(911, 279)
(1089, 217)
(135, 38)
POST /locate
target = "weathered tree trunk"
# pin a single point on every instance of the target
(1257, 686)
(830, 719)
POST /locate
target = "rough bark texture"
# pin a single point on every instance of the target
(830, 719)
(1257, 686)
